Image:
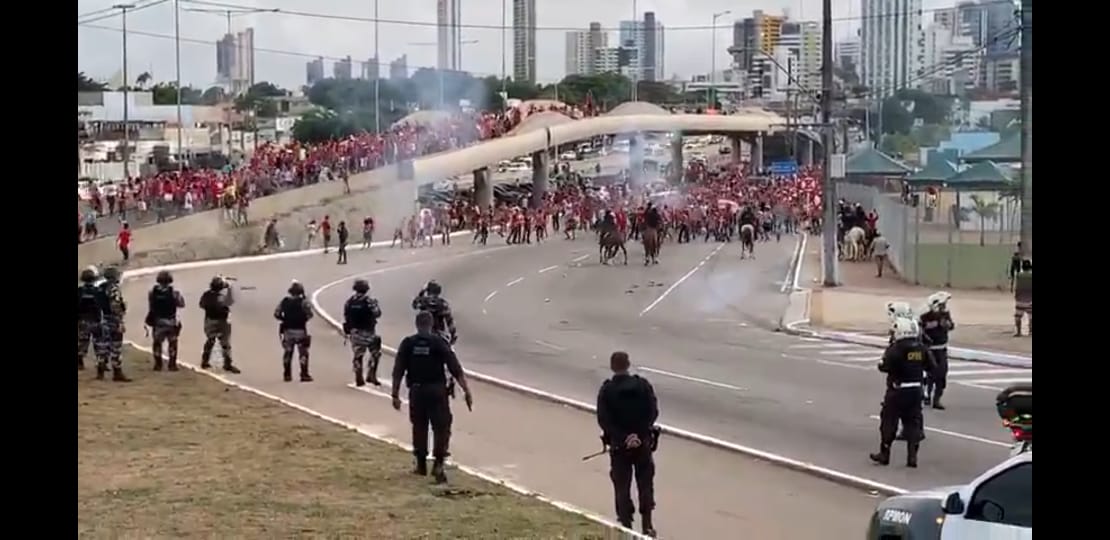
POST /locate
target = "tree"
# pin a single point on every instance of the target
(656, 92)
(895, 118)
(166, 94)
(985, 210)
(608, 89)
(88, 84)
(318, 126)
(213, 95)
(143, 79)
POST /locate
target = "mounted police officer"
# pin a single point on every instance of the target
(626, 412)
(163, 301)
(91, 305)
(111, 336)
(360, 322)
(420, 361)
(294, 312)
(905, 362)
(216, 303)
(936, 324)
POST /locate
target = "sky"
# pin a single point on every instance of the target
(293, 40)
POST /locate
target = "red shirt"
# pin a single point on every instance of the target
(123, 239)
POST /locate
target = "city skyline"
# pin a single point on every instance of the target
(302, 39)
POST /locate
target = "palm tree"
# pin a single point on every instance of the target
(985, 210)
(143, 79)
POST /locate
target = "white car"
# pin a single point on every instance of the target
(569, 155)
(998, 505)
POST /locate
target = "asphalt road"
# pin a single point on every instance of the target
(548, 316)
(533, 443)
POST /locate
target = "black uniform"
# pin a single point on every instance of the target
(935, 325)
(626, 405)
(163, 302)
(344, 234)
(905, 363)
(421, 359)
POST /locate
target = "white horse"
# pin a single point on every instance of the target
(853, 247)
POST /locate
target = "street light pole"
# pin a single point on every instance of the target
(126, 108)
(504, 93)
(711, 95)
(636, 70)
(377, 75)
(1026, 74)
(828, 191)
(177, 67)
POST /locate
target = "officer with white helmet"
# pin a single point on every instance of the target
(905, 362)
(936, 323)
(899, 310)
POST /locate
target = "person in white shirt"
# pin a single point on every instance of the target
(879, 248)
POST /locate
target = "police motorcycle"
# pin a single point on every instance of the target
(956, 512)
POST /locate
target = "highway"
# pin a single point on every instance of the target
(531, 442)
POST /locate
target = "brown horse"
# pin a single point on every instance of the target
(608, 244)
(747, 240)
(650, 239)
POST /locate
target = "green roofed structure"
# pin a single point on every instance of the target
(983, 176)
(935, 173)
(1007, 150)
(871, 162)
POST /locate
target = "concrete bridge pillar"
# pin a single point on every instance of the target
(541, 165)
(636, 160)
(737, 146)
(483, 188)
(807, 151)
(757, 153)
(677, 169)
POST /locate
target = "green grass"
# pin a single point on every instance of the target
(973, 266)
(181, 455)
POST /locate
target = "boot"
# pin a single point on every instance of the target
(305, 377)
(228, 367)
(100, 371)
(936, 400)
(927, 401)
(625, 522)
(883, 455)
(158, 363)
(286, 371)
(372, 373)
(647, 526)
(172, 365)
(359, 381)
(911, 454)
(118, 376)
(421, 468)
(438, 471)
(205, 362)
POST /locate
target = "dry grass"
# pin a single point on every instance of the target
(181, 455)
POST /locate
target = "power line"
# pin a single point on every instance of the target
(115, 12)
(432, 24)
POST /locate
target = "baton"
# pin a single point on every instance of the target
(595, 454)
(147, 330)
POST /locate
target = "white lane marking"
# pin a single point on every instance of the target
(403, 445)
(580, 258)
(681, 279)
(698, 380)
(801, 260)
(551, 346)
(548, 269)
(489, 296)
(708, 440)
(848, 352)
(959, 435)
(999, 371)
(514, 282)
(859, 359)
(790, 281)
(853, 366)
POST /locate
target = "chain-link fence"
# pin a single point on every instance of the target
(934, 244)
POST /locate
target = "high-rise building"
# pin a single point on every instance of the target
(235, 61)
(580, 47)
(847, 55)
(754, 43)
(449, 35)
(342, 69)
(524, 40)
(225, 59)
(371, 69)
(622, 60)
(951, 61)
(891, 45)
(646, 37)
(399, 68)
(314, 71)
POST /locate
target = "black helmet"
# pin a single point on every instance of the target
(433, 287)
(164, 278)
(296, 289)
(361, 286)
(112, 274)
(217, 283)
(88, 275)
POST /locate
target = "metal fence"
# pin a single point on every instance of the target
(931, 246)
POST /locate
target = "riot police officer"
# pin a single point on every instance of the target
(936, 324)
(429, 300)
(905, 362)
(216, 303)
(163, 301)
(91, 304)
(420, 361)
(111, 336)
(294, 312)
(360, 322)
(626, 412)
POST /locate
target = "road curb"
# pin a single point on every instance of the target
(798, 328)
(774, 459)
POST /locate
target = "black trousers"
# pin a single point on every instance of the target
(901, 404)
(938, 380)
(429, 407)
(626, 464)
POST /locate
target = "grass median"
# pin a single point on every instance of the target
(182, 455)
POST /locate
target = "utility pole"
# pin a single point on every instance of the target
(1026, 129)
(828, 191)
(504, 91)
(126, 107)
(636, 69)
(377, 75)
(177, 67)
(712, 94)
